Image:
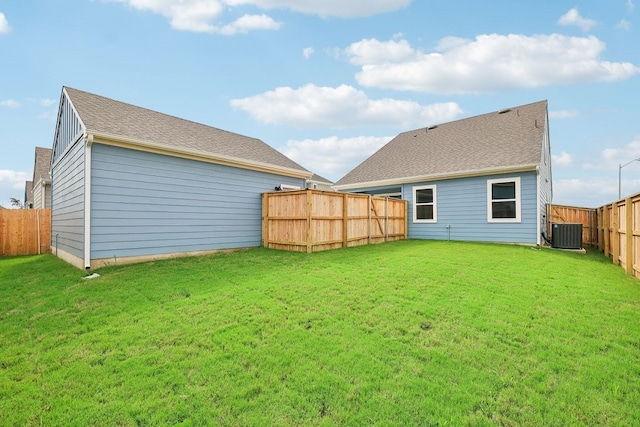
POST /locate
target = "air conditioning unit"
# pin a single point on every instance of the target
(566, 236)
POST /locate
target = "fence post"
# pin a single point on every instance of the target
(265, 219)
(369, 221)
(309, 219)
(616, 233)
(345, 220)
(629, 235)
(606, 222)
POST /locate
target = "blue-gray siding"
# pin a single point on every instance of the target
(545, 182)
(146, 204)
(67, 200)
(68, 128)
(462, 204)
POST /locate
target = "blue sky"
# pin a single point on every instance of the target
(328, 82)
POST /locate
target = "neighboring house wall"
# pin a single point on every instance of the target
(42, 195)
(146, 204)
(462, 203)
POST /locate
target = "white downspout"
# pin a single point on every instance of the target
(87, 202)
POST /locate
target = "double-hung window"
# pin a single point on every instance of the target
(503, 200)
(425, 204)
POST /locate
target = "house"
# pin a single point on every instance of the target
(28, 194)
(317, 182)
(131, 184)
(41, 182)
(483, 178)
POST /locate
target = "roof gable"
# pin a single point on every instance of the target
(505, 139)
(108, 117)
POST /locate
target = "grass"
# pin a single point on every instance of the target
(405, 333)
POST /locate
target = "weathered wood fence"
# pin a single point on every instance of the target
(25, 231)
(314, 220)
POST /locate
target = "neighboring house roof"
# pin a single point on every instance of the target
(42, 164)
(28, 192)
(506, 139)
(320, 179)
(108, 118)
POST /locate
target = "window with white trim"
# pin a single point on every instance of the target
(503, 200)
(425, 204)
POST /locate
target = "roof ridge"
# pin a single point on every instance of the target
(477, 116)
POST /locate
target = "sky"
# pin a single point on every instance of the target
(328, 82)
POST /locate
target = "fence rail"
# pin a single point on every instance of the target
(25, 231)
(314, 220)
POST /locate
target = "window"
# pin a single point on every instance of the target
(503, 200)
(424, 204)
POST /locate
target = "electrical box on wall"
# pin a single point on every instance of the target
(566, 236)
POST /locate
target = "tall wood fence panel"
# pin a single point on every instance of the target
(25, 231)
(588, 217)
(315, 220)
(619, 233)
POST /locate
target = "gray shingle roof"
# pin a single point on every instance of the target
(107, 116)
(503, 139)
(42, 163)
(318, 178)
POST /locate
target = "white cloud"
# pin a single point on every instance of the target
(46, 102)
(630, 5)
(370, 51)
(327, 8)
(572, 17)
(333, 157)
(587, 192)
(563, 114)
(562, 160)
(247, 23)
(200, 15)
(9, 103)
(490, 63)
(4, 24)
(307, 52)
(610, 158)
(340, 107)
(13, 179)
(624, 25)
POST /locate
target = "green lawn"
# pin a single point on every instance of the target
(405, 333)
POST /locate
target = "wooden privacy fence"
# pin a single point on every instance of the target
(25, 231)
(314, 220)
(575, 215)
(619, 233)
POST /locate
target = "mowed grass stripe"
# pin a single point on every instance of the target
(404, 333)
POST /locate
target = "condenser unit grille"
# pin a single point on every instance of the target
(566, 236)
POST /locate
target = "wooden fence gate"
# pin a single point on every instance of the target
(25, 231)
(314, 220)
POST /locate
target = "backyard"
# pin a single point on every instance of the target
(403, 333)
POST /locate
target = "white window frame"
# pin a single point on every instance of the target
(435, 204)
(518, 199)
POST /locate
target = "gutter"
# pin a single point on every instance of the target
(439, 176)
(87, 201)
(136, 144)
